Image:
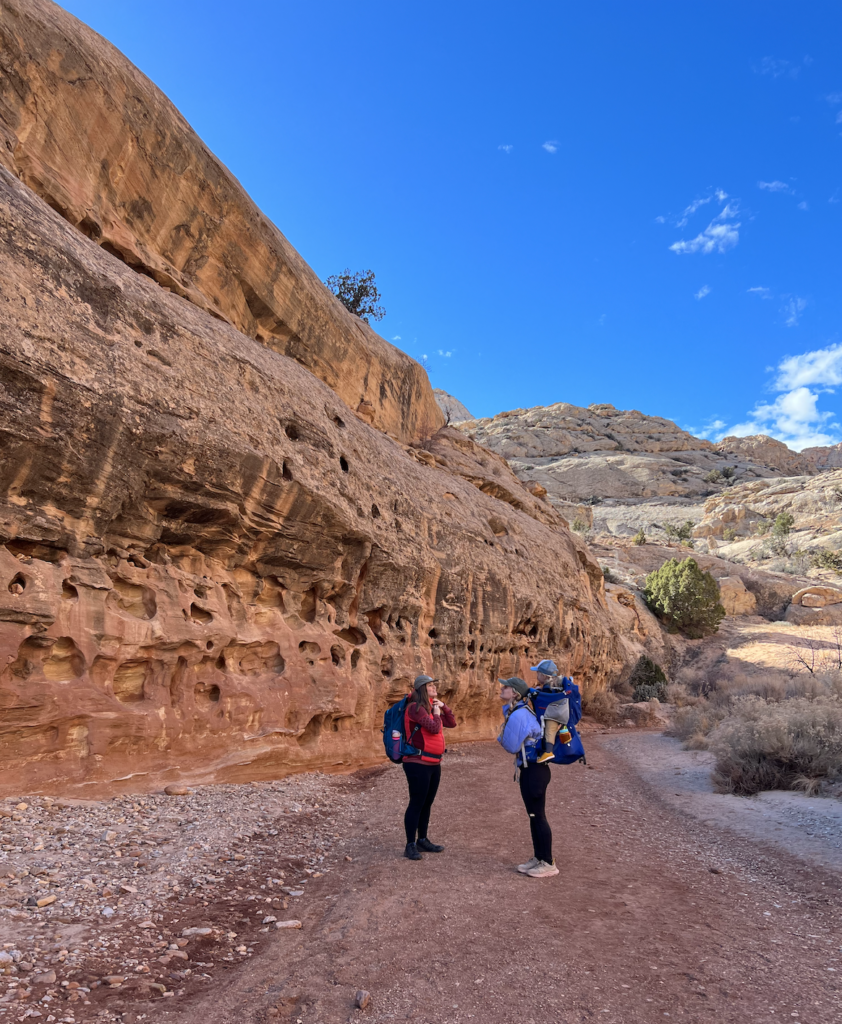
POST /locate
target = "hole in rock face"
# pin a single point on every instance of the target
(386, 667)
(339, 421)
(286, 472)
(134, 599)
(271, 593)
(355, 658)
(375, 512)
(31, 549)
(337, 655)
(201, 593)
(18, 584)
(309, 606)
(209, 645)
(433, 634)
(310, 648)
(498, 527)
(351, 635)
(207, 694)
(291, 432)
(199, 615)
(129, 680)
(343, 463)
(69, 592)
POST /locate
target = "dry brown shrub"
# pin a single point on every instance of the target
(694, 722)
(602, 706)
(680, 695)
(785, 744)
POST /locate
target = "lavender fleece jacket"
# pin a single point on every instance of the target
(522, 727)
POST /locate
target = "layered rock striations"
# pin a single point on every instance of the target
(98, 142)
(209, 563)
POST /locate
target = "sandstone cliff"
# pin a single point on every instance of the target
(209, 563)
(98, 142)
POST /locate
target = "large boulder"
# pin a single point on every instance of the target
(735, 598)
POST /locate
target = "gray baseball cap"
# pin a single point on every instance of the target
(546, 667)
(517, 684)
(422, 681)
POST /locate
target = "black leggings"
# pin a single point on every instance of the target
(423, 782)
(534, 779)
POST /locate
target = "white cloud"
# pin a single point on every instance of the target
(446, 355)
(506, 148)
(551, 146)
(803, 205)
(601, 320)
(822, 367)
(793, 308)
(660, 220)
(691, 209)
(839, 117)
(715, 238)
(710, 430)
(774, 186)
(793, 418)
(834, 98)
(720, 195)
(397, 337)
(702, 292)
(776, 67)
(764, 293)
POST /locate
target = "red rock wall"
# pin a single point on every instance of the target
(91, 135)
(210, 567)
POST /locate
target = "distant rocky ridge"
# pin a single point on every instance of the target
(621, 470)
(601, 451)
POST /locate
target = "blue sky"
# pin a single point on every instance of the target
(585, 202)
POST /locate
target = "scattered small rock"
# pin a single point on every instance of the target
(287, 924)
(45, 901)
(714, 870)
(106, 911)
(362, 999)
(177, 791)
(47, 978)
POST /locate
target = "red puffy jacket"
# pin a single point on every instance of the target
(429, 738)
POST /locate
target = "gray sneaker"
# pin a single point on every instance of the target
(524, 869)
(542, 870)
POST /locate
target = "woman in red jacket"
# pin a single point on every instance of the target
(425, 716)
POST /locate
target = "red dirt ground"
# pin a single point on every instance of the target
(636, 928)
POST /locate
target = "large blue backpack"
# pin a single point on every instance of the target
(563, 753)
(394, 733)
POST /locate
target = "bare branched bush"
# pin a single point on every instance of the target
(602, 706)
(778, 745)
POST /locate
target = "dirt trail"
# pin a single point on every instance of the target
(637, 928)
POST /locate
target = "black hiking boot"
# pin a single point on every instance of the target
(425, 844)
(411, 852)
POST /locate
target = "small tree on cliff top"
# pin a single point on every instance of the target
(358, 293)
(686, 598)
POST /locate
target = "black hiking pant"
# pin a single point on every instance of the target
(534, 779)
(423, 780)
